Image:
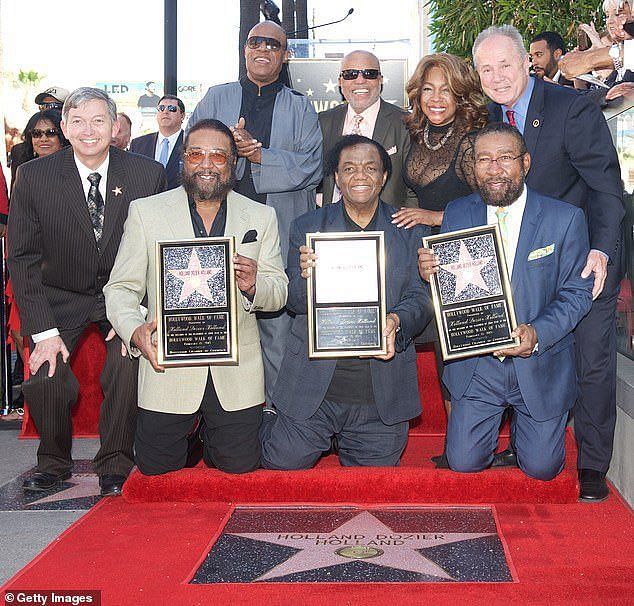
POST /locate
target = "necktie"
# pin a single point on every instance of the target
(510, 116)
(356, 126)
(502, 215)
(95, 205)
(165, 152)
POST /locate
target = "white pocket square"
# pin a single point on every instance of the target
(392, 150)
(538, 253)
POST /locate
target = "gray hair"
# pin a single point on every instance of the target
(507, 31)
(85, 93)
(608, 4)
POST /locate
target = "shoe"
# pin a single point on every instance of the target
(41, 481)
(506, 458)
(111, 485)
(592, 486)
(440, 461)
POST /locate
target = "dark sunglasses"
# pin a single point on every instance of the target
(38, 133)
(169, 108)
(271, 44)
(353, 74)
(51, 105)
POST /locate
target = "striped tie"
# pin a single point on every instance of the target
(510, 116)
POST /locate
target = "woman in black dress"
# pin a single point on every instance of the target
(448, 106)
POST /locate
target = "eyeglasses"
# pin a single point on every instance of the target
(271, 44)
(196, 156)
(353, 74)
(502, 161)
(38, 133)
(51, 105)
(169, 108)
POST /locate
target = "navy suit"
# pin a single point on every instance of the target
(549, 294)
(573, 159)
(302, 382)
(146, 146)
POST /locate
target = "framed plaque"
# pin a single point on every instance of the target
(346, 295)
(196, 302)
(471, 292)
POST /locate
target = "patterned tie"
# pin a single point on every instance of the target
(356, 127)
(95, 205)
(502, 215)
(165, 152)
(510, 116)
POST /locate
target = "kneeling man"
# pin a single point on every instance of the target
(546, 245)
(366, 403)
(229, 397)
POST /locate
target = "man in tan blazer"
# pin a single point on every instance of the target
(228, 397)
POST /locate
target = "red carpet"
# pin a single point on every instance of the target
(143, 554)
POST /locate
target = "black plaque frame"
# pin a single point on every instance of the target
(197, 334)
(338, 313)
(493, 315)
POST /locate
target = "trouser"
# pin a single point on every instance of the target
(274, 329)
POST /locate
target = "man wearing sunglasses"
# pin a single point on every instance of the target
(365, 113)
(51, 98)
(279, 152)
(166, 145)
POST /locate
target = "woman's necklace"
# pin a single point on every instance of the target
(440, 143)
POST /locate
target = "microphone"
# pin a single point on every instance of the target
(307, 29)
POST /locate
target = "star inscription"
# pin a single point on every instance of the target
(467, 270)
(373, 543)
(330, 86)
(194, 278)
(310, 92)
(81, 485)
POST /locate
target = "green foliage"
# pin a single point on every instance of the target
(30, 77)
(455, 25)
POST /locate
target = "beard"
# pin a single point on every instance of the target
(214, 189)
(505, 196)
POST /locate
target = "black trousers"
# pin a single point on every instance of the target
(595, 409)
(50, 400)
(230, 438)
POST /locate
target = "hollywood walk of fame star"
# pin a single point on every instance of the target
(80, 485)
(330, 86)
(117, 191)
(195, 278)
(317, 553)
(310, 92)
(467, 270)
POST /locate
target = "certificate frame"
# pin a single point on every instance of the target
(196, 312)
(478, 316)
(330, 311)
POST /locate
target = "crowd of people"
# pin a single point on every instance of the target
(499, 140)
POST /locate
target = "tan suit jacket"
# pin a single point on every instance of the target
(166, 216)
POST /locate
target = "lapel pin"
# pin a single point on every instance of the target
(535, 123)
(117, 191)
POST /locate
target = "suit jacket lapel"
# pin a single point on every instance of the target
(237, 218)
(179, 218)
(381, 124)
(478, 213)
(530, 222)
(116, 197)
(338, 121)
(74, 195)
(534, 117)
(172, 164)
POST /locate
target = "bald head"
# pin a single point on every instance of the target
(265, 52)
(360, 92)
(269, 29)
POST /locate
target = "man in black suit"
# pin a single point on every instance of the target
(365, 113)
(573, 159)
(166, 145)
(66, 222)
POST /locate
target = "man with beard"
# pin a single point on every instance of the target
(228, 397)
(545, 51)
(546, 245)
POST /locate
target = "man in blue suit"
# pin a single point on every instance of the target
(573, 159)
(546, 246)
(166, 145)
(365, 402)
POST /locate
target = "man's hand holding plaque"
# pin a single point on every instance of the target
(144, 339)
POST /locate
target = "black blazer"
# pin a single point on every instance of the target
(573, 159)
(390, 132)
(146, 146)
(56, 268)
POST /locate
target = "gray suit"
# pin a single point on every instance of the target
(391, 133)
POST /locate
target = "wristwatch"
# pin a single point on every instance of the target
(615, 55)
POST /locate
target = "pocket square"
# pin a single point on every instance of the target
(538, 253)
(250, 236)
(392, 150)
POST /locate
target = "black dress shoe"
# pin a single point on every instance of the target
(111, 485)
(592, 486)
(41, 480)
(506, 458)
(440, 461)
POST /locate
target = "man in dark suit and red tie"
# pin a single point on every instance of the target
(573, 159)
(67, 216)
(166, 145)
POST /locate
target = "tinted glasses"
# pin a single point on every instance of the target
(196, 156)
(353, 74)
(38, 133)
(169, 108)
(270, 44)
(51, 105)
